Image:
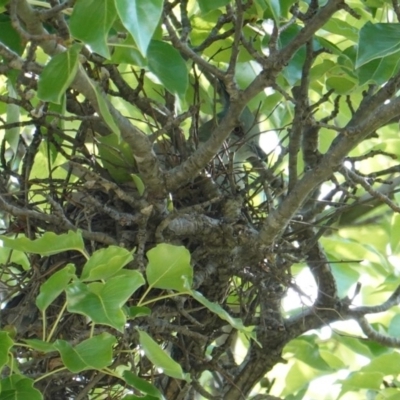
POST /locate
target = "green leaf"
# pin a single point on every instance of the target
(334, 361)
(12, 135)
(54, 286)
(5, 345)
(363, 380)
(58, 74)
(105, 263)
(116, 156)
(379, 70)
(169, 267)
(341, 84)
(139, 183)
(103, 108)
(18, 387)
(90, 22)
(140, 18)
(160, 358)
(306, 349)
(387, 364)
(48, 244)
(394, 326)
(342, 28)
(93, 353)
(102, 302)
(168, 65)
(217, 309)
(8, 35)
(40, 345)
(345, 277)
(395, 233)
(141, 384)
(376, 41)
(272, 8)
(135, 312)
(207, 5)
(126, 52)
(293, 71)
(298, 378)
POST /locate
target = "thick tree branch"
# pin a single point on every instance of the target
(330, 162)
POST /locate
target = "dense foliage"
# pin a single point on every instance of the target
(198, 199)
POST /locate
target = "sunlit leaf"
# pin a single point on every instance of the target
(103, 302)
(48, 244)
(169, 267)
(5, 345)
(363, 380)
(387, 364)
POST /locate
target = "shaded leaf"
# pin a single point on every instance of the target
(103, 108)
(135, 312)
(8, 35)
(116, 156)
(207, 5)
(376, 41)
(168, 65)
(58, 74)
(17, 387)
(217, 309)
(40, 345)
(126, 52)
(141, 384)
(273, 7)
(379, 70)
(54, 286)
(160, 358)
